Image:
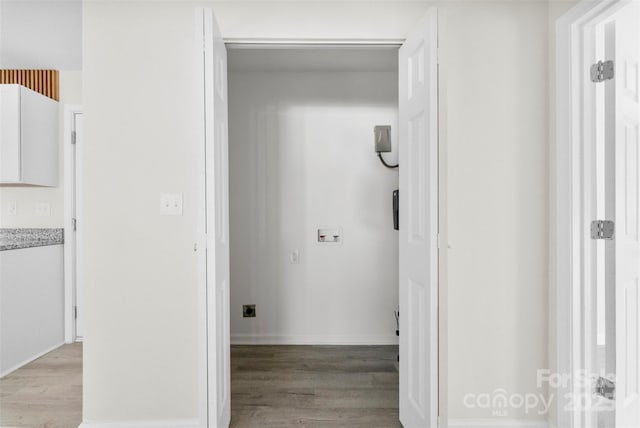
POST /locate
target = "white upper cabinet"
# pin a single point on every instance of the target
(28, 137)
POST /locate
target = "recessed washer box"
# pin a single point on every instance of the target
(329, 235)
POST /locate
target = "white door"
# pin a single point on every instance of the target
(76, 241)
(627, 215)
(418, 155)
(217, 224)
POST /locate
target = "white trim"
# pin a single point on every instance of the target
(30, 359)
(70, 110)
(168, 423)
(572, 171)
(200, 243)
(498, 423)
(245, 43)
(202, 239)
(286, 339)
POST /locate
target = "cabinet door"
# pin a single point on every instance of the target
(9, 133)
(39, 138)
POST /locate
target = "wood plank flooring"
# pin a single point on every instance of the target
(271, 386)
(46, 393)
(314, 386)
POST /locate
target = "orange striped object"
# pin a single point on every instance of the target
(45, 82)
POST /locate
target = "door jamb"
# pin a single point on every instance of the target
(573, 133)
(71, 255)
(201, 241)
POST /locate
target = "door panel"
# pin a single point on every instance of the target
(627, 242)
(217, 224)
(418, 150)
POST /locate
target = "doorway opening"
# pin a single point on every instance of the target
(417, 84)
(73, 136)
(313, 250)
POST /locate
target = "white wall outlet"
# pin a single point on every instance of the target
(12, 208)
(171, 204)
(294, 257)
(42, 209)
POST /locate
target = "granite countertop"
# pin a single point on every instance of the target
(14, 239)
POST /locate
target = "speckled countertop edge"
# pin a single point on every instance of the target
(15, 239)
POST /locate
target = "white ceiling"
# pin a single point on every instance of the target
(41, 34)
(312, 58)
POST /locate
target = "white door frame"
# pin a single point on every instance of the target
(204, 241)
(71, 253)
(574, 176)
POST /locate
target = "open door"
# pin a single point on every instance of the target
(216, 194)
(627, 216)
(418, 155)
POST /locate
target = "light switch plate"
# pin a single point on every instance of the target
(171, 204)
(42, 209)
(294, 257)
(12, 208)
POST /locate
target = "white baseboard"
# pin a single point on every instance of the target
(281, 339)
(497, 423)
(170, 423)
(30, 359)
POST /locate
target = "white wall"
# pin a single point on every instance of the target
(318, 19)
(494, 68)
(301, 157)
(26, 197)
(143, 124)
(41, 34)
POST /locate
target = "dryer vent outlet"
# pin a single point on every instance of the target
(249, 311)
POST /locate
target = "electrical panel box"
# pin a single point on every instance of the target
(382, 138)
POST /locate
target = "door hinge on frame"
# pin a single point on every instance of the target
(74, 223)
(601, 71)
(75, 312)
(602, 229)
(73, 137)
(605, 388)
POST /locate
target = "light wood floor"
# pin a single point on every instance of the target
(46, 393)
(271, 386)
(314, 386)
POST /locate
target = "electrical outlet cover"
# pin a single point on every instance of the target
(249, 311)
(43, 209)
